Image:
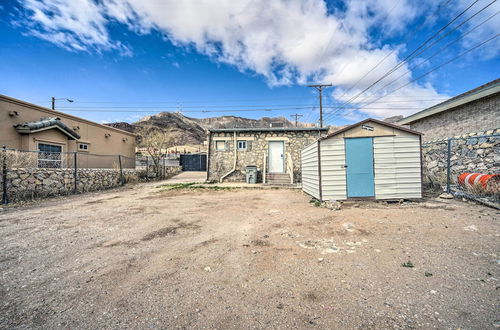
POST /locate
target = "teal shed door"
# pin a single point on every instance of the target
(359, 171)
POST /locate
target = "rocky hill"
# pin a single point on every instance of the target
(186, 130)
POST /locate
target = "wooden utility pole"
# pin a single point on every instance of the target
(297, 116)
(320, 87)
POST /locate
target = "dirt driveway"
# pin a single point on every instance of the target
(142, 258)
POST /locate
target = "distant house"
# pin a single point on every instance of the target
(275, 151)
(29, 127)
(477, 110)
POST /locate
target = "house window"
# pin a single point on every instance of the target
(242, 145)
(220, 145)
(83, 147)
(49, 155)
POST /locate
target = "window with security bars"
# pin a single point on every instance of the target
(49, 155)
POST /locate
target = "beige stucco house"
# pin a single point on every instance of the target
(29, 127)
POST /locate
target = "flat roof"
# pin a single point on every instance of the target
(477, 93)
(267, 129)
(59, 113)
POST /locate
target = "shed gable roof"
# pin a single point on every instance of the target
(380, 122)
(46, 124)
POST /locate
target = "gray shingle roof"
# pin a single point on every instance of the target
(45, 124)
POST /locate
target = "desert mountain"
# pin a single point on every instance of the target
(186, 130)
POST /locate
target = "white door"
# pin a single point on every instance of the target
(276, 156)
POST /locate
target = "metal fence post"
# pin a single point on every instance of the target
(121, 169)
(448, 167)
(164, 168)
(5, 197)
(75, 173)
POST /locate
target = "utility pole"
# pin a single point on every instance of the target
(320, 87)
(297, 116)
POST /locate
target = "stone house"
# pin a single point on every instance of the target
(29, 127)
(275, 151)
(477, 110)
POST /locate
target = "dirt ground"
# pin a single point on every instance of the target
(140, 257)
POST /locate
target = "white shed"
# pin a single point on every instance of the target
(371, 159)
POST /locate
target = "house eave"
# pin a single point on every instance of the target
(452, 103)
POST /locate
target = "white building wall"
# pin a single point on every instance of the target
(397, 167)
(310, 178)
(333, 176)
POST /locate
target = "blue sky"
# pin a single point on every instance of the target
(228, 57)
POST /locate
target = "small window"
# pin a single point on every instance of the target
(220, 145)
(83, 147)
(242, 145)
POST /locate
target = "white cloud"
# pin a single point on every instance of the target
(285, 41)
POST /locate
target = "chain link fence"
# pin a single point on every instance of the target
(467, 167)
(31, 174)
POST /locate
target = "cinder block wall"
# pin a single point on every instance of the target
(477, 116)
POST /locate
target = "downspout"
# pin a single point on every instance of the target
(235, 158)
(208, 154)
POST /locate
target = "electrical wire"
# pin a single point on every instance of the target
(433, 69)
(409, 56)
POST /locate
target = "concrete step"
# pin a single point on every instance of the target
(278, 178)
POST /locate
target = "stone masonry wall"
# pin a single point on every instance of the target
(221, 161)
(474, 152)
(30, 183)
(476, 116)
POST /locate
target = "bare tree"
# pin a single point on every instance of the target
(156, 142)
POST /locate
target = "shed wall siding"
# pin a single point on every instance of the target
(333, 176)
(397, 167)
(310, 178)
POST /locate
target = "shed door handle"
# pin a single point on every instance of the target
(344, 166)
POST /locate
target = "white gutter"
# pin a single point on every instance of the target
(235, 158)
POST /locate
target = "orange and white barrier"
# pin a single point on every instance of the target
(487, 182)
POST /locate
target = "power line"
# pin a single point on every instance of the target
(435, 68)
(275, 106)
(409, 56)
(438, 52)
(217, 111)
(442, 5)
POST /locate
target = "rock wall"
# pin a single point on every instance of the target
(474, 152)
(221, 161)
(479, 115)
(30, 183)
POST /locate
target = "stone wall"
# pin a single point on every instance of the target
(30, 183)
(221, 161)
(476, 116)
(474, 152)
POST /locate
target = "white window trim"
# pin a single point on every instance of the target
(60, 161)
(223, 143)
(238, 145)
(83, 143)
